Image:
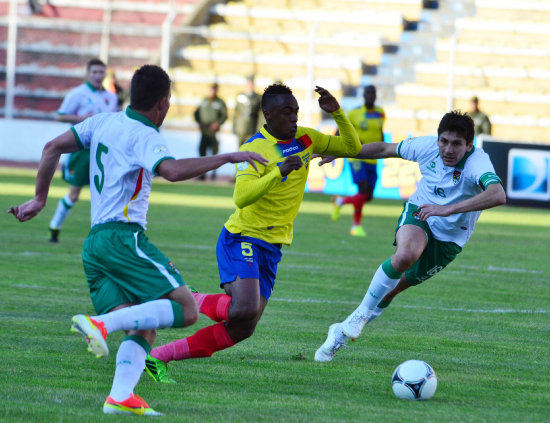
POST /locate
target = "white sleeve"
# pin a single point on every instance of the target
(481, 170)
(414, 149)
(84, 130)
(150, 150)
(70, 104)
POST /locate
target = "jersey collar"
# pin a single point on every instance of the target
(270, 137)
(462, 162)
(91, 87)
(132, 114)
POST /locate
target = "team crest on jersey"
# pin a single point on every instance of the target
(456, 176)
(159, 149)
(242, 165)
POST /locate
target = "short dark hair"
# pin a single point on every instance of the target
(456, 121)
(272, 92)
(150, 84)
(94, 62)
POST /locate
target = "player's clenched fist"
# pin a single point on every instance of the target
(291, 163)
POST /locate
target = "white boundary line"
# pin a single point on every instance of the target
(415, 307)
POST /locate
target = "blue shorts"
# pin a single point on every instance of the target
(247, 257)
(361, 171)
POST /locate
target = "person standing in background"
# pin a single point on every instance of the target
(210, 115)
(482, 124)
(247, 114)
(368, 121)
(86, 100)
(111, 84)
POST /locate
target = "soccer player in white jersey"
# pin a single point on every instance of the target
(133, 286)
(458, 181)
(86, 100)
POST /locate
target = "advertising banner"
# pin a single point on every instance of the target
(397, 178)
(524, 169)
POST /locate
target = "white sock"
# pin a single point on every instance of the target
(130, 363)
(383, 281)
(150, 315)
(377, 312)
(64, 207)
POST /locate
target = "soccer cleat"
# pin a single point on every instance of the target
(157, 369)
(134, 404)
(357, 230)
(354, 324)
(336, 202)
(54, 235)
(193, 289)
(94, 332)
(335, 340)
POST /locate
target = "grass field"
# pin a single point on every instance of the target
(483, 323)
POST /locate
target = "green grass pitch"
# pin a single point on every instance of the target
(483, 323)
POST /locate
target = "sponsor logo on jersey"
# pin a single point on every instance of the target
(295, 145)
(159, 149)
(242, 165)
(528, 174)
(289, 149)
(456, 176)
(431, 167)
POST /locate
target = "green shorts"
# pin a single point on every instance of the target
(122, 266)
(437, 254)
(76, 170)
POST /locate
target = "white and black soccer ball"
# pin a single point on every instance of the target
(414, 380)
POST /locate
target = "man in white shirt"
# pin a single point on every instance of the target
(458, 182)
(133, 286)
(83, 101)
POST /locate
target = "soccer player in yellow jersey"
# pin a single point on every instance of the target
(368, 121)
(249, 246)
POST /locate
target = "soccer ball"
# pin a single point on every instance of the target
(414, 380)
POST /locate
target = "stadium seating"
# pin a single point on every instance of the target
(273, 40)
(498, 49)
(501, 55)
(53, 47)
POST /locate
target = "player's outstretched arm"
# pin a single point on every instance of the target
(182, 169)
(64, 143)
(374, 150)
(493, 196)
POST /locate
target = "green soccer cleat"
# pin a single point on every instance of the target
(94, 332)
(134, 404)
(358, 231)
(157, 369)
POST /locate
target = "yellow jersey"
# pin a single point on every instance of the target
(369, 124)
(267, 203)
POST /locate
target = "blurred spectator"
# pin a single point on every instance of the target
(110, 84)
(88, 99)
(210, 115)
(482, 124)
(247, 117)
(368, 121)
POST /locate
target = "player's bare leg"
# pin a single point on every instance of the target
(64, 206)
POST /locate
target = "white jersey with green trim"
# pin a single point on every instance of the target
(125, 150)
(443, 185)
(85, 99)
